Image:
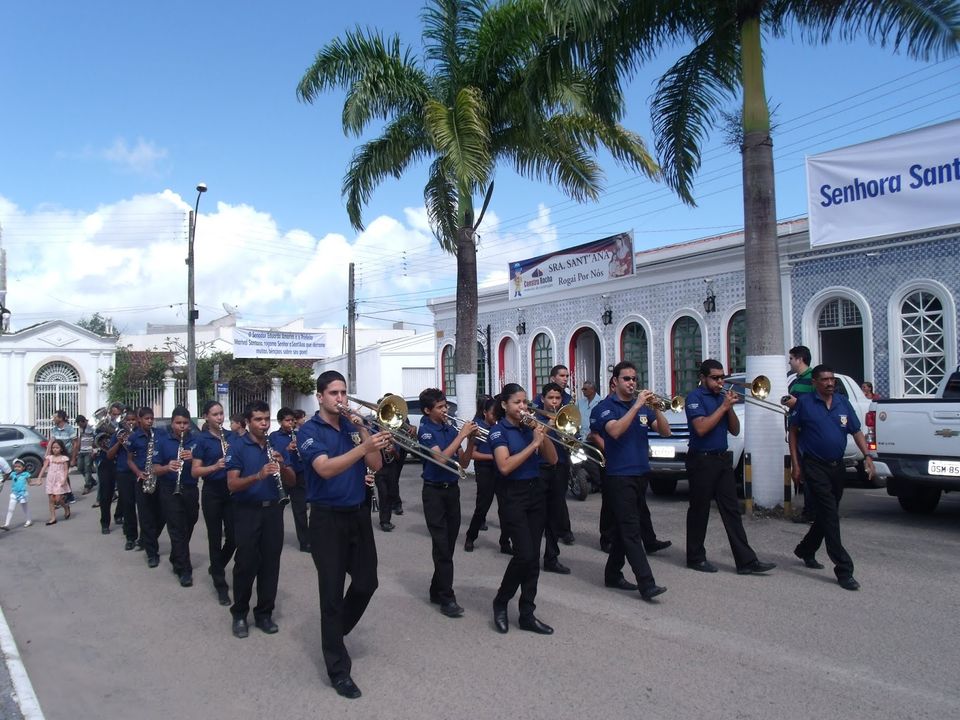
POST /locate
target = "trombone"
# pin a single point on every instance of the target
(481, 434)
(390, 414)
(566, 426)
(759, 392)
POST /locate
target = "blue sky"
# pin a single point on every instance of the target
(112, 112)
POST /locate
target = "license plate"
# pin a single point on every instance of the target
(663, 451)
(949, 468)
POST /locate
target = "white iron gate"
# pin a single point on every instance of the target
(57, 387)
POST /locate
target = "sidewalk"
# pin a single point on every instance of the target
(17, 699)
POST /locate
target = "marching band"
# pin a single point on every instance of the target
(336, 463)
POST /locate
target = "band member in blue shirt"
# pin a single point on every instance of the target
(441, 492)
(709, 466)
(336, 454)
(819, 424)
(210, 463)
(142, 443)
(555, 478)
(560, 375)
(285, 439)
(255, 472)
(623, 419)
(517, 449)
(180, 505)
(115, 453)
(488, 479)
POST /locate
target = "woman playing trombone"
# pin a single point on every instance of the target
(517, 449)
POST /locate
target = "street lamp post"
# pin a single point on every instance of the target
(192, 313)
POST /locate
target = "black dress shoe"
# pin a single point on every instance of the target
(484, 528)
(703, 566)
(531, 624)
(568, 538)
(186, 580)
(105, 531)
(556, 567)
(620, 583)
(387, 526)
(649, 593)
(139, 544)
(267, 625)
(398, 509)
(848, 583)
(657, 546)
(128, 545)
(240, 629)
(810, 561)
(606, 546)
(468, 546)
(347, 688)
(305, 548)
(223, 596)
(152, 562)
(451, 609)
(506, 550)
(500, 619)
(756, 568)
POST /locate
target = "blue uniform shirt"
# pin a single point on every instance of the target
(701, 403)
(281, 442)
(628, 454)
(432, 435)
(209, 450)
(482, 446)
(317, 437)
(515, 439)
(137, 445)
(121, 458)
(168, 445)
(248, 456)
(823, 431)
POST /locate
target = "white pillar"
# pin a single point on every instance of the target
(764, 431)
(276, 401)
(169, 393)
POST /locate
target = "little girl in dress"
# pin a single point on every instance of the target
(18, 494)
(55, 467)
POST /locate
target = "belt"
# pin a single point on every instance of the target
(821, 461)
(258, 503)
(441, 485)
(336, 508)
(707, 452)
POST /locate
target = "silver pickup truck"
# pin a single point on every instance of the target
(667, 455)
(919, 441)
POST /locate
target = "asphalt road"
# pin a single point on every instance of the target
(102, 636)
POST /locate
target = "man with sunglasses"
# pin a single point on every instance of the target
(709, 465)
(819, 424)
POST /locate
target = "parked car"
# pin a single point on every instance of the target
(668, 455)
(20, 441)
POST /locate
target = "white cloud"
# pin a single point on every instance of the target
(144, 157)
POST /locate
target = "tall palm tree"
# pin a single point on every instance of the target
(727, 60)
(484, 91)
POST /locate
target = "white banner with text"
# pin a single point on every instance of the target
(279, 344)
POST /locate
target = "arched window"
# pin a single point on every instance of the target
(57, 372)
(481, 370)
(508, 361)
(687, 354)
(448, 375)
(737, 342)
(634, 348)
(542, 361)
(840, 327)
(922, 345)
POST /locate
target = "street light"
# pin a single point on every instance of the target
(192, 314)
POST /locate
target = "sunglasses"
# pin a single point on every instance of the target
(628, 378)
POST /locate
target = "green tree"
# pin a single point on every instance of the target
(484, 92)
(98, 324)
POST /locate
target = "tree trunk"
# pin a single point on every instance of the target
(765, 352)
(465, 362)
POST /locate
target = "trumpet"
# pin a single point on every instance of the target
(659, 402)
(481, 434)
(390, 415)
(759, 392)
(566, 426)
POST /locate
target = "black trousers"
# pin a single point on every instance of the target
(341, 542)
(298, 506)
(388, 488)
(106, 481)
(711, 478)
(218, 517)
(150, 514)
(126, 503)
(608, 521)
(826, 487)
(258, 532)
(554, 479)
(441, 510)
(524, 514)
(625, 493)
(180, 513)
(486, 491)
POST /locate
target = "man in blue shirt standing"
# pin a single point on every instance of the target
(819, 424)
(623, 420)
(710, 416)
(337, 453)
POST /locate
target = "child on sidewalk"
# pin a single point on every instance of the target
(18, 494)
(55, 467)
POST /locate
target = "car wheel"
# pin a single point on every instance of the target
(32, 464)
(922, 501)
(663, 486)
(579, 482)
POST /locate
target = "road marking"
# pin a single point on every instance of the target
(23, 693)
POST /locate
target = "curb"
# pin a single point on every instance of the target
(23, 694)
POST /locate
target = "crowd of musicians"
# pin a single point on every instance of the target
(326, 466)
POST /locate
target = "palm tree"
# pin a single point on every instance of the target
(727, 60)
(484, 91)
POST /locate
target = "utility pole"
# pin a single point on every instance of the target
(351, 337)
(192, 313)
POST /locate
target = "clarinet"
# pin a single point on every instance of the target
(281, 490)
(150, 481)
(178, 486)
